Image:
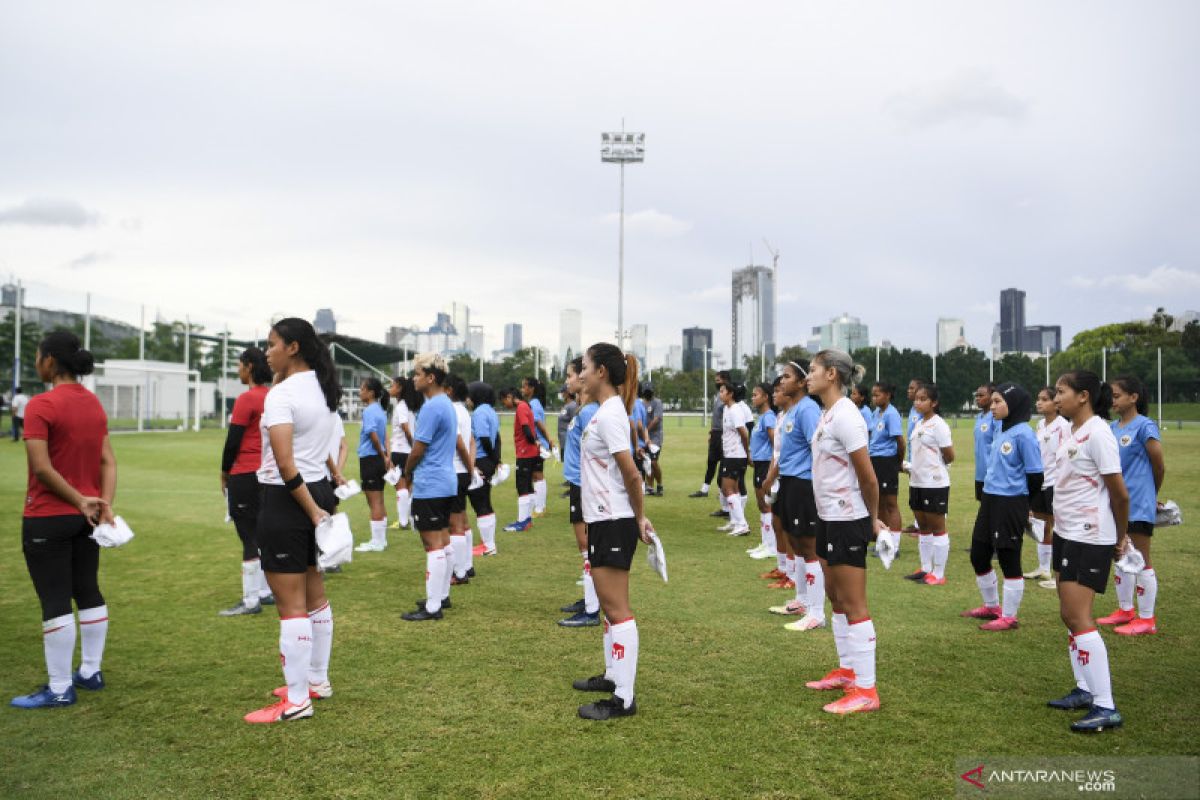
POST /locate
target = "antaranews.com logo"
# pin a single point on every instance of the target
(1159, 777)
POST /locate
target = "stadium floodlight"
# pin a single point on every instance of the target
(622, 148)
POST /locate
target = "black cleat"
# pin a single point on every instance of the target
(596, 683)
(720, 513)
(919, 575)
(421, 615)
(658, 492)
(445, 603)
(471, 572)
(457, 581)
(1075, 699)
(269, 600)
(607, 709)
(698, 494)
(581, 620)
(575, 608)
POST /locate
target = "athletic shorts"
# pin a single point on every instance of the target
(525, 469)
(576, 500)
(611, 543)
(431, 513)
(245, 496)
(796, 506)
(1142, 527)
(714, 446)
(481, 498)
(1043, 502)
(931, 500)
(761, 468)
(844, 542)
(733, 468)
(370, 472)
(287, 540)
(887, 472)
(458, 503)
(979, 491)
(539, 464)
(1001, 521)
(399, 460)
(1082, 563)
(63, 561)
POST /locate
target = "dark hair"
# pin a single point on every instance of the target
(539, 389)
(858, 387)
(17, 390)
(409, 394)
(766, 389)
(457, 387)
(375, 387)
(989, 387)
(723, 376)
(887, 388)
(313, 353)
(256, 360)
(739, 391)
(69, 356)
(918, 381)
(576, 364)
(507, 391)
(481, 394)
(621, 368)
(1099, 392)
(1050, 390)
(647, 392)
(1131, 385)
(931, 391)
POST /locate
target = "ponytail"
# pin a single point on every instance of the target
(256, 360)
(847, 371)
(69, 356)
(375, 387)
(312, 351)
(622, 369)
(1099, 393)
(1132, 385)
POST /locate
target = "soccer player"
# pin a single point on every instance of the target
(464, 468)
(1052, 430)
(431, 463)
(534, 392)
(847, 500)
(735, 442)
(1091, 509)
(485, 427)
(570, 407)
(525, 444)
(714, 444)
(1014, 474)
(932, 451)
(586, 611)
(240, 461)
(887, 453)
(984, 431)
(71, 484)
(762, 452)
(859, 396)
(296, 498)
(408, 402)
(373, 459)
(1143, 469)
(654, 426)
(612, 508)
(20, 402)
(640, 439)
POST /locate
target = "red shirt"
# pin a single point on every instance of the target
(247, 411)
(524, 418)
(72, 422)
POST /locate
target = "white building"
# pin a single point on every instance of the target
(674, 357)
(753, 314)
(570, 333)
(950, 335)
(844, 333)
(638, 344)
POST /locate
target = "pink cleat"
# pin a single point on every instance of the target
(855, 701)
(1000, 624)
(983, 612)
(1139, 627)
(933, 580)
(283, 711)
(840, 678)
(1118, 617)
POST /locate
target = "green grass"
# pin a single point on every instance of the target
(480, 705)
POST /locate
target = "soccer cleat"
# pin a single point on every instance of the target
(316, 691)
(726, 528)
(581, 620)
(773, 575)
(983, 612)
(240, 609)
(1050, 584)
(1037, 574)
(596, 683)
(794, 608)
(720, 513)
(765, 554)
(283, 711)
(269, 600)
(782, 583)
(92, 684)
(395, 526)
(1097, 720)
(608, 708)
(470, 572)
(491, 552)
(855, 701)
(479, 549)
(370, 547)
(539, 514)
(421, 615)
(917, 576)
(933, 580)
(698, 494)
(457, 581)
(519, 526)
(1000, 623)
(575, 608)
(1139, 627)
(445, 603)
(45, 698)
(1118, 617)
(840, 678)
(740, 530)
(1076, 698)
(659, 491)
(805, 623)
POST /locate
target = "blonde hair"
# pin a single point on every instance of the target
(431, 363)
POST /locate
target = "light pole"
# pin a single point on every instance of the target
(622, 148)
(705, 384)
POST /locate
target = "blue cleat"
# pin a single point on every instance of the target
(46, 698)
(1097, 720)
(519, 526)
(1076, 698)
(581, 620)
(92, 684)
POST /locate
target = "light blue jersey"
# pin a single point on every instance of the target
(1135, 466)
(539, 415)
(1015, 453)
(437, 428)
(914, 417)
(761, 448)
(574, 438)
(797, 428)
(985, 429)
(485, 425)
(638, 416)
(866, 415)
(884, 427)
(374, 420)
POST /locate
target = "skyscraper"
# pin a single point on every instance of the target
(639, 344)
(950, 335)
(753, 314)
(1012, 320)
(324, 321)
(570, 333)
(845, 333)
(512, 337)
(695, 341)
(674, 357)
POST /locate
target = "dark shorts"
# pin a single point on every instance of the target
(761, 468)
(1001, 521)
(431, 513)
(887, 472)
(370, 472)
(1043, 502)
(1140, 527)
(931, 501)
(287, 540)
(1082, 563)
(844, 542)
(399, 460)
(714, 446)
(796, 506)
(539, 463)
(576, 500)
(525, 469)
(245, 495)
(458, 503)
(612, 543)
(978, 490)
(733, 468)
(63, 561)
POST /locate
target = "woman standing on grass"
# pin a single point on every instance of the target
(586, 611)
(735, 441)
(931, 449)
(408, 402)
(762, 451)
(485, 427)
(847, 500)
(1052, 430)
(464, 468)
(373, 459)
(1091, 507)
(534, 392)
(297, 496)
(72, 482)
(239, 476)
(984, 431)
(525, 446)
(887, 452)
(612, 498)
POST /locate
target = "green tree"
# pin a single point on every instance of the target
(31, 337)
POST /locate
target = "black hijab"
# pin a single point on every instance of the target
(1020, 405)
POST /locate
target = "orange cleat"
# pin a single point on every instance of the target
(283, 711)
(855, 701)
(1118, 617)
(773, 575)
(933, 580)
(783, 583)
(478, 549)
(983, 612)
(1139, 627)
(840, 678)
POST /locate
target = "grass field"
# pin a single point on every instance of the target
(480, 704)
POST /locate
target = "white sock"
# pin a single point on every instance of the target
(1092, 656)
(487, 531)
(1038, 527)
(987, 588)
(624, 658)
(925, 551)
(591, 602)
(607, 650)
(448, 554)
(897, 537)
(841, 636)
(768, 539)
(539, 496)
(251, 577)
(800, 578)
(735, 511)
(781, 563)
(296, 648)
(1014, 590)
(1126, 585)
(1076, 670)
(1147, 593)
(264, 588)
(861, 643)
(404, 506)
(93, 629)
(379, 532)
(789, 567)
(458, 544)
(524, 507)
(704, 488)
(765, 520)
(724, 502)
(1044, 552)
(58, 641)
(470, 548)
(435, 576)
(322, 643)
(940, 547)
(815, 577)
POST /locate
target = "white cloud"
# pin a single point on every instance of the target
(1160, 280)
(651, 222)
(48, 211)
(971, 96)
(87, 260)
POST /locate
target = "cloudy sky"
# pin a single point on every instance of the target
(236, 160)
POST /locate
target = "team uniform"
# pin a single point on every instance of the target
(866, 411)
(984, 430)
(371, 466)
(929, 491)
(461, 542)
(572, 471)
(883, 449)
(796, 505)
(528, 461)
(434, 490)
(734, 460)
(539, 485)
(240, 461)
(1050, 437)
(565, 415)
(1143, 511)
(714, 450)
(485, 427)
(400, 448)
(637, 423)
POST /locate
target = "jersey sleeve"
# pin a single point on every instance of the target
(851, 431)
(1031, 452)
(1105, 453)
(1149, 431)
(614, 432)
(808, 419)
(768, 421)
(894, 427)
(277, 410)
(38, 419)
(941, 434)
(427, 425)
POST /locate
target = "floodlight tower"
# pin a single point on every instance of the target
(622, 148)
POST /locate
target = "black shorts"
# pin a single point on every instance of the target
(1082, 563)
(796, 506)
(1043, 502)
(887, 472)
(576, 499)
(612, 543)
(979, 491)
(714, 446)
(1001, 521)
(431, 513)
(63, 561)
(733, 468)
(370, 473)
(932, 501)
(287, 540)
(761, 468)
(399, 460)
(1140, 527)
(844, 542)
(458, 503)
(245, 495)
(525, 469)
(539, 463)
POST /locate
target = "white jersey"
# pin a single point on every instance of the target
(297, 401)
(602, 487)
(735, 416)
(777, 439)
(400, 442)
(841, 431)
(1050, 438)
(928, 469)
(1081, 508)
(464, 433)
(18, 405)
(337, 432)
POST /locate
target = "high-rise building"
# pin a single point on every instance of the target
(460, 318)
(512, 337)
(324, 321)
(753, 314)
(695, 342)
(950, 335)
(674, 357)
(475, 340)
(844, 333)
(1042, 339)
(570, 333)
(1012, 320)
(639, 344)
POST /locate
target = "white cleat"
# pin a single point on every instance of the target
(765, 553)
(370, 547)
(740, 530)
(805, 623)
(728, 526)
